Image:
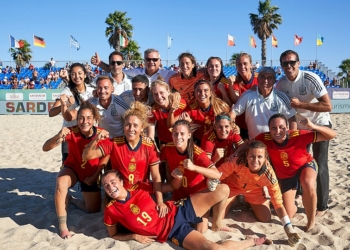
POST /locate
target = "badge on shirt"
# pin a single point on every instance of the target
(134, 209)
(274, 107)
(302, 90)
(114, 111)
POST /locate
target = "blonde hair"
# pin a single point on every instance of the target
(160, 81)
(141, 111)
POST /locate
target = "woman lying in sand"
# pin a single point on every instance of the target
(251, 174)
(75, 168)
(136, 210)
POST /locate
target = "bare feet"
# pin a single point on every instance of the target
(259, 241)
(223, 229)
(321, 213)
(65, 234)
(310, 225)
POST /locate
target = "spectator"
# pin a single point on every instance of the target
(12, 70)
(314, 65)
(256, 66)
(35, 75)
(31, 67)
(67, 66)
(52, 63)
(18, 69)
(21, 82)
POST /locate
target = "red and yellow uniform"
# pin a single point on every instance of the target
(191, 182)
(133, 164)
(185, 86)
(138, 213)
(210, 143)
(203, 119)
(160, 116)
(224, 81)
(241, 88)
(289, 157)
(76, 144)
(241, 181)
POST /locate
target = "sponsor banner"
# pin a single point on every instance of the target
(25, 107)
(14, 96)
(37, 96)
(339, 93)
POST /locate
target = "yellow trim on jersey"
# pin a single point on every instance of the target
(119, 140)
(110, 203)
(194, 105)
(170, 144)
(145, 142)
(133, 187)
(197, 150)
(224, 80)
(212, 136)
(294, 133)
(75, 129)
(268, 137)
(182, 105)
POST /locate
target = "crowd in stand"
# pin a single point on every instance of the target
(191, 129)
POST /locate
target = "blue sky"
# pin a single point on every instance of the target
(200, 27)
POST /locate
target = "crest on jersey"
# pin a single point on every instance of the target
(132, 165)
(284, 156)
(302, 90)
(134, 209)
(114, 111)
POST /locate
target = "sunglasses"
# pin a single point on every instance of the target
(152, 59)
(291, 63)
(115, 62)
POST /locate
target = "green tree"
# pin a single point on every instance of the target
(345, 70)
(234, 58)
(21, 56)
(264, 23)
(131, 51)
(117, 23)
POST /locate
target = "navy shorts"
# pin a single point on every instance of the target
(294, 182)
(96, 187)
(185, 216)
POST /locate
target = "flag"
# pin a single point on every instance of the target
(15, 43)
(123, 42)
(38, 41)
(274, 41)
(74, 42)
(319, 40)
(230, 40)
(169, 41)
(297, 40)
(252, 41)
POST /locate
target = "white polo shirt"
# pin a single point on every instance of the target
(258, 109)
(307, 87)
(119, 88)
(165, 73)
(112, 117)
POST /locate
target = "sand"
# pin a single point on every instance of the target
(28, 218)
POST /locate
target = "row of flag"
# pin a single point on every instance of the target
(40, 42)
(274, 41)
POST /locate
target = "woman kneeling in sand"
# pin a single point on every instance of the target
(136, 210)
(251, 174)
(75, 169)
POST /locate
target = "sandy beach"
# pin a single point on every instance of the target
(28, 218)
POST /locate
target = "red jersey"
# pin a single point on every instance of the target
(185, 86)
(225, 82)
(133, 164)
(192, 182)
(210, 143)
(238, 177)
(202, 119)
(289, 157)
(161, 116)
(76, 145)
(138, 213)
(241, 88)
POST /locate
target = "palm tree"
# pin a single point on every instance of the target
(234, 58)
(22, 55)
(264, 23)
(131, 51)
(345, 71)
(118, 24)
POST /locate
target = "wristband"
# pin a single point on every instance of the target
(285, 221)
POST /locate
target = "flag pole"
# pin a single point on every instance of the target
(249, 44)
(167, 56)
(33, 49)
(70, 56)
(316, 47)
(271, 50)
(226, 48)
